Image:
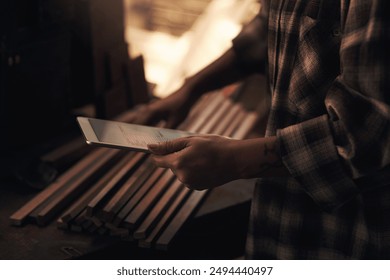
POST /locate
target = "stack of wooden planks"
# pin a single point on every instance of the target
(121, 193)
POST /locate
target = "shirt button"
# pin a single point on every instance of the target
(336, 32)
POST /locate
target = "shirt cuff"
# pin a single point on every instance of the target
(309, 153)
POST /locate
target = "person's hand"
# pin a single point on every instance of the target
(173, 109)
(207, 161)
(200, 162)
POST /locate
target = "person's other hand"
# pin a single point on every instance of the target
(173, 109)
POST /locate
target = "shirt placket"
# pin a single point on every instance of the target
(277, 42)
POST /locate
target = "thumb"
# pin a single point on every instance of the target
(168, 147)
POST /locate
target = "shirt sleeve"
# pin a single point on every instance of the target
(250, 45)
(337, 155)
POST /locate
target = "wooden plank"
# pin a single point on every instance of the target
(231, 113)
(20, 216)
(138, 196)
(76, 187)
(95, 221)
(208, 112)
(128, 168)
(197, 110)
(79, 205)
(143, 207)
(163, 222)
(178, 221)
(245, 126)
(158, 210)
(33, 216)
(128, 190)
(80, 219)
(218, 117)
(240, 116)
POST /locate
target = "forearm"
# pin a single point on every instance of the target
(255, 158)
(222, 72)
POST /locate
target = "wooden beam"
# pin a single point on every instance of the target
(180, 218)
(128, 190)
(150, 233)
(76, 187)
(238, 119)
(207, 112)
(81, 203)
(158, 210)
(135, 159)
(229, 117)
(143, 207)
(20, 216)
(246, 126)
(218, 117)
(138, 196)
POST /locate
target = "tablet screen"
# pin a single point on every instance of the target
(130, 135)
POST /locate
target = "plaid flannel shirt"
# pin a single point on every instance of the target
(328, 68)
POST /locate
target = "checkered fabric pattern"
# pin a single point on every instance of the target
(329, 74)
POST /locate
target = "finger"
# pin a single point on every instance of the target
(131, 118)
(164, 161)
(137, 114)
(172, 122)
(168, 147)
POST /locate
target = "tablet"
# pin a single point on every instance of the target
(125, 136)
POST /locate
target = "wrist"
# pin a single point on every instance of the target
(255, 158)
(193, 87)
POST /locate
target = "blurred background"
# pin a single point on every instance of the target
(178, 38)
